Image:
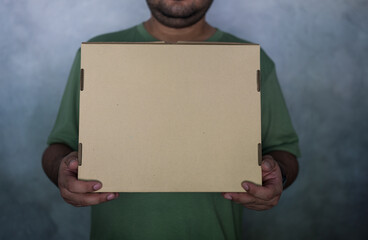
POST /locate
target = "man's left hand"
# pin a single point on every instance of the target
(261, 197)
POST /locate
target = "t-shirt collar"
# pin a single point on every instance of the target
(149, 38)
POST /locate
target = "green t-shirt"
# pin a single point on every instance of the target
(174, 215)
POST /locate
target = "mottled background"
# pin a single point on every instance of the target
(320, 48)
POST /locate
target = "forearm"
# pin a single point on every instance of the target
(289, 165)
(51, 160)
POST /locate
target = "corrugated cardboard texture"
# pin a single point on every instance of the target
(170, 117)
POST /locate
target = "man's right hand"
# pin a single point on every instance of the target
(76, 192)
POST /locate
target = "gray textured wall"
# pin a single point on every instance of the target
(320, 48)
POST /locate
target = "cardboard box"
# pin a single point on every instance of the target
(158, 117)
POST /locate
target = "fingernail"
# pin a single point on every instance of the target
(72, 161)
(111, 196)
(245, 186)
(267, 165)
(227, 196)
(97, 186)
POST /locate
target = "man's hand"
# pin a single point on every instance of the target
(75, 192)
(261, 197)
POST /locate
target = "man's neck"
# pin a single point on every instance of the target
(200, 31)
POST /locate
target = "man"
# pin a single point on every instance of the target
(174, 215)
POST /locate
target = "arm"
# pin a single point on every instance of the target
(52, 158)
(267, 196)
(61, 166)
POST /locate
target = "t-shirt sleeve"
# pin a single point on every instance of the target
(277, 130)
(67, 121)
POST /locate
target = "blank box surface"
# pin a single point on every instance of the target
(158, 117)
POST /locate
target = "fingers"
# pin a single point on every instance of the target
(266, 192)
(68, 177)
(88, 199)
(247, 198)
(251, 202)
(256, 197)
(72, 184)
(261, 197)
(77, 192)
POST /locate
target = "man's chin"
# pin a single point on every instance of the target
(178, 14)
(177, 22)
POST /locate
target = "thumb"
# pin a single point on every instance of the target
(71, 162)
(268, 164)
(73, 165)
